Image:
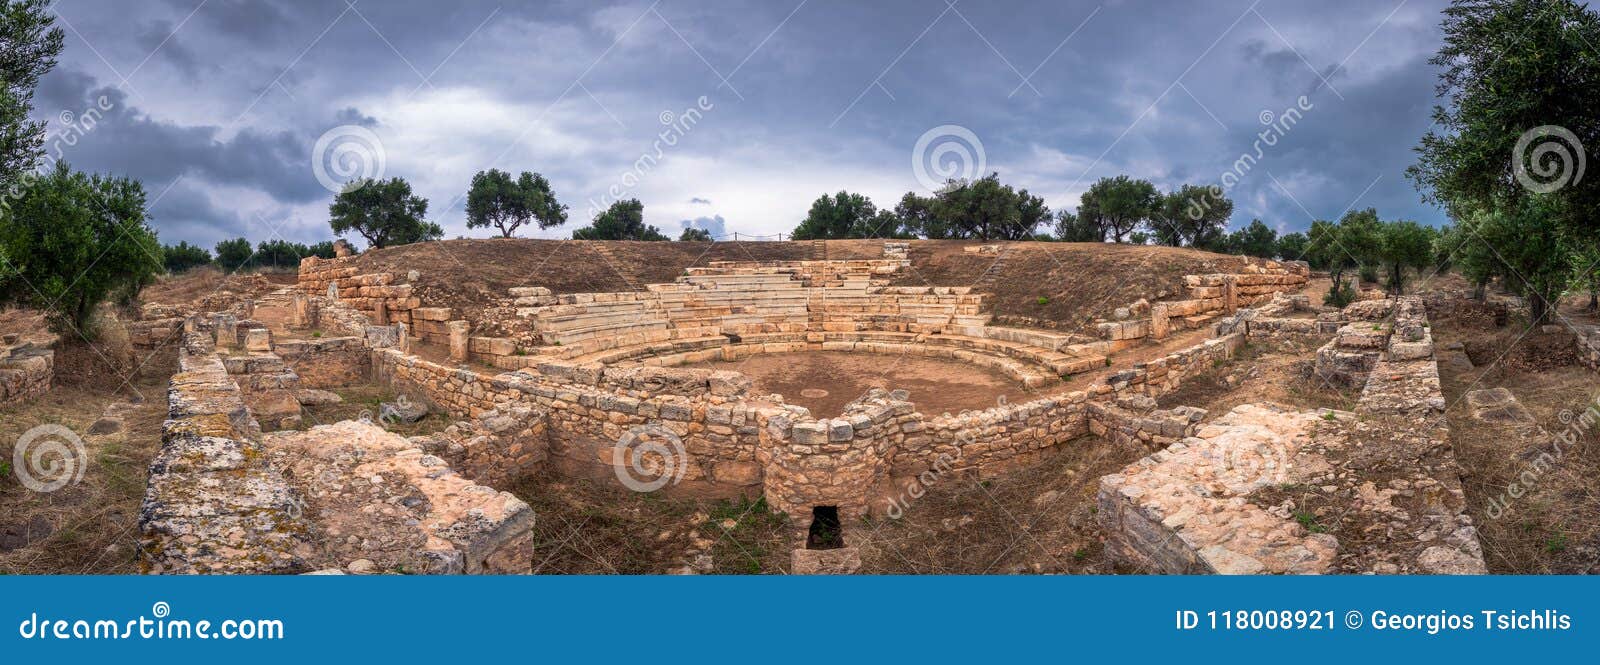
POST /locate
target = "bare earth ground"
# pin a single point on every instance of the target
(825, 381)
(471, 275)
(90, 526)
(1555, 526)
(1078, 281)
(586, 528)
(1037, 520)
(1278, 372)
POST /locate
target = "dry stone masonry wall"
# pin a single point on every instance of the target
(579, 379)
(222, 497)
(1268, 489)
(27, 366)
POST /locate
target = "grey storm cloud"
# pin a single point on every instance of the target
(220, 103)
(715, 224)
(127, 140)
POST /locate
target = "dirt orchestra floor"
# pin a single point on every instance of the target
(825, 381)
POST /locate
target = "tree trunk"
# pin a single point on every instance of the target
(1537, 307)
(1480, 290)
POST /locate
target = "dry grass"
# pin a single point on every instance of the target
(1553, 528)
(1036, 520)
(585, 528)
(1266, 371)
(92, 524)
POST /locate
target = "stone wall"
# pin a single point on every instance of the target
(222, 497)
(383, 296)
(27, 366)
(212, 503)
(1225, 293)
(1268, 489)
(498, 448)
(327, 362)
(734, 443)
(1165, 374)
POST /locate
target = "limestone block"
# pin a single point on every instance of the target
(258, 339)
(458, 340)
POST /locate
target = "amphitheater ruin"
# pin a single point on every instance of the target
(640, 388)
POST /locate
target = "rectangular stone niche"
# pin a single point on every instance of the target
(826, 532)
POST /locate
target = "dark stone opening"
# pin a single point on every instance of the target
(826, 531)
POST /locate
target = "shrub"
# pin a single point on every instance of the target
(76, 240)
(184, 256)
(1340, 295)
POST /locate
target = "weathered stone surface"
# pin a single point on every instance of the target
(1386, 493)
(1498, 405)
(840, 561)
(314, 397)
(1180, 510)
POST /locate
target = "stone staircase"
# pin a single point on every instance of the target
(609, 256)
(798, 305)
(992, 273)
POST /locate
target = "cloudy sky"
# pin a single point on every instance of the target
(746, 110)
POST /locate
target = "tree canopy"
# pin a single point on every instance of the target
(1401, 245)
(623, 220)
(497, 200)
(29, 44)
(1119, 205)
(184, 256)
(385, 212)
(834, 216)
(1257, 239)
(1192, 215)
(74, 240)
(1507, 152)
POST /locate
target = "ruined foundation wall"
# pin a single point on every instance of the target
(26, 369)
(734, 443)
(222, 497)
(328, 362)
(212, 503)
(1205, 504)
(370, 293)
